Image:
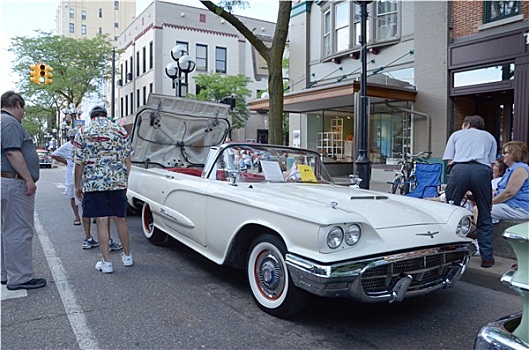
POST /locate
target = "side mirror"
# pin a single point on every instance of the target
(355, 181)
(232, 176)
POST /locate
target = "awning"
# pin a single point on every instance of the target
(337, 96)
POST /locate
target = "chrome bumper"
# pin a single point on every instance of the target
(384, 278)
(498, 335)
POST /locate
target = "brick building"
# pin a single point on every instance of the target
(488, 66)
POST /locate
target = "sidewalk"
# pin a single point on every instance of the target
(475, 274)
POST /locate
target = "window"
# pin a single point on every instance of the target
(202, 58)
(100, 30)
(116, 25)
(83, 29)
(126, 104)
(83, 15)
(484, 75)
(202, 18)
(72, 28)
(327, 33)
(341, 20)
(116, 5)
(71, 13)
(126, 71)
(131, 103)
(220, 60)
(131, 69)
(151, 55)
(386, 20)
(144, 95)
(138, 98)
(150, 88)
(137, 63)
(100, 13)
(121, 107)
(496, 10)
(144, 63)
(341, 25)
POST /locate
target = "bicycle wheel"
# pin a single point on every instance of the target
(410, 187)
(395, 185)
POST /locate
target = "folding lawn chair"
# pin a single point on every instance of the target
(428, 180)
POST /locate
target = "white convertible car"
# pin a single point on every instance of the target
(274, 212)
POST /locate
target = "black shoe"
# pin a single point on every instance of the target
(3, 282)
(487, 263)
(31, 284)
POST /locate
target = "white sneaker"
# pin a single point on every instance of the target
(127, 259)
(104, 266)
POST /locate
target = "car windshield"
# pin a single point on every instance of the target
(266, 163)
(42, 153)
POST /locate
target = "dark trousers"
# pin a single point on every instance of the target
(475, 177)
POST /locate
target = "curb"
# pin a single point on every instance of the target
(488, 278)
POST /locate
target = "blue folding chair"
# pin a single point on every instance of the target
(428, 180)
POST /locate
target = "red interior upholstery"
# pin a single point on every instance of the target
(187, 171)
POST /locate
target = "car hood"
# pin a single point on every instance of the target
(332, 202)
(178, 132)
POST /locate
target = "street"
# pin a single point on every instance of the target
(173, 298)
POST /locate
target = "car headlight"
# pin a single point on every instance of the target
(352, 234)
(335, 237)
(464, 226)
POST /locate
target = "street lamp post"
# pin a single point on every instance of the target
(363, 165)
(182, 64)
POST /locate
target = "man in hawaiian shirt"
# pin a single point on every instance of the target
(102, 164)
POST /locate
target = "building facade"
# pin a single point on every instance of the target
(427, 68)
(408, 99)
(213, 44)
(488, 66)
(87, 18)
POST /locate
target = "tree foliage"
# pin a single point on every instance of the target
(78, 64)
(215, 87)
(273, 56)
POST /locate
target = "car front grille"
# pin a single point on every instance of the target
(426, 271)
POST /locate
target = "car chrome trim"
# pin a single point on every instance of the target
(496, 336)
(515, 237)
(383, 278)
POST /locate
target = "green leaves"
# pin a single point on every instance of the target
(215, 87)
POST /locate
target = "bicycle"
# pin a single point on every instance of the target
(404, 179)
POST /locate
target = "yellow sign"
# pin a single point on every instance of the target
(306, 173)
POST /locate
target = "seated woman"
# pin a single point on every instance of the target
(511, 200)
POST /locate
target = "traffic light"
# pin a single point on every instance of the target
(34, 74)
(41, 69)
(48, 76)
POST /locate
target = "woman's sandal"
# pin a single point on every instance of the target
(77, 222)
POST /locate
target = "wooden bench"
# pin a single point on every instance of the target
(501, 245)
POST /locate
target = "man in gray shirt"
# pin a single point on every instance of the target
(471, 154)
(20, 171)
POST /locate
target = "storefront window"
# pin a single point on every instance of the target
(390, 134)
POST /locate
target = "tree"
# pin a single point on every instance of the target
(273, 56)
(77, 65)
(215, 87)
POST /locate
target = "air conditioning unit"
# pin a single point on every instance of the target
(120, 82)
(129, 76)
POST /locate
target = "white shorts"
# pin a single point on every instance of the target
(503, 211)
(69, 193)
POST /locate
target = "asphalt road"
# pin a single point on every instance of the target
(172, 298)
